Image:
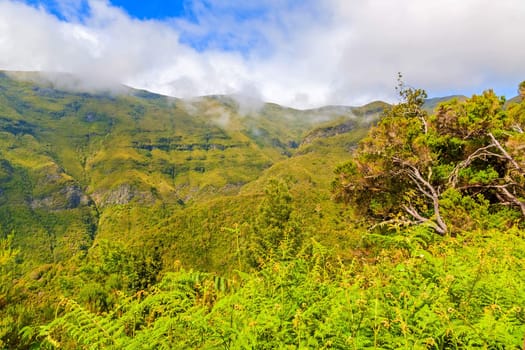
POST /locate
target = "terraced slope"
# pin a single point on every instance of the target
(76, 166)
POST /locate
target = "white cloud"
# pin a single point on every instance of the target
(298, 53)
(438, 45)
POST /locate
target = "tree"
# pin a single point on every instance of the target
(7, 269)
(276, 233)
(488, 149)
(413, 168)
(8, 325)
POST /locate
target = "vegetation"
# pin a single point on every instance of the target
(135, 221)
(420, 296)
(438, 170)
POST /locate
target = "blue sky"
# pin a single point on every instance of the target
(301, 53)
(151, 9)
(157, 9)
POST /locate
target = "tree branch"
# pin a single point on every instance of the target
(517, 128)
(429, 191)
(422, 220)
(503, 191)
(506, 155)
(479, 153)
(512, 198)
(419, 186)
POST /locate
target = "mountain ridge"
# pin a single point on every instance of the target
(72, 160)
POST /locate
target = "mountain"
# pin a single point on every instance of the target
(431, 103)
(513, 100)
(77, 167)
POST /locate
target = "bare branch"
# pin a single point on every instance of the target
(484, 186)
(419, 114)
(512, 198)
(503, 194)
(429, 191)
(425, 126)
(419, 185)
(412, 211)
(479, 153)
(517, 128)
(422, 220)
(507, 156)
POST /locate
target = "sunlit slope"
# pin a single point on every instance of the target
(70, 160)
(207, 234)
(144, 147)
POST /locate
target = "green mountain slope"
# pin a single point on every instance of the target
(132, 166)
(431, 103)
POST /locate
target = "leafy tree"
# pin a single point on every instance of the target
(8, 324)
(7, 264)
(484, 144)
(132, 269)
(410, 164)
(276, 232)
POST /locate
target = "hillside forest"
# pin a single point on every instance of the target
(131, 220)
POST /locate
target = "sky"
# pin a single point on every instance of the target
(299, 53)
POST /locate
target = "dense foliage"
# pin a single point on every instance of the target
(452, 293)
(131, 240)
(459, 169)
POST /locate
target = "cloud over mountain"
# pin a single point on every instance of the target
(298, 53)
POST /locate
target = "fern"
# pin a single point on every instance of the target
(446, 293)
(87, 330)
